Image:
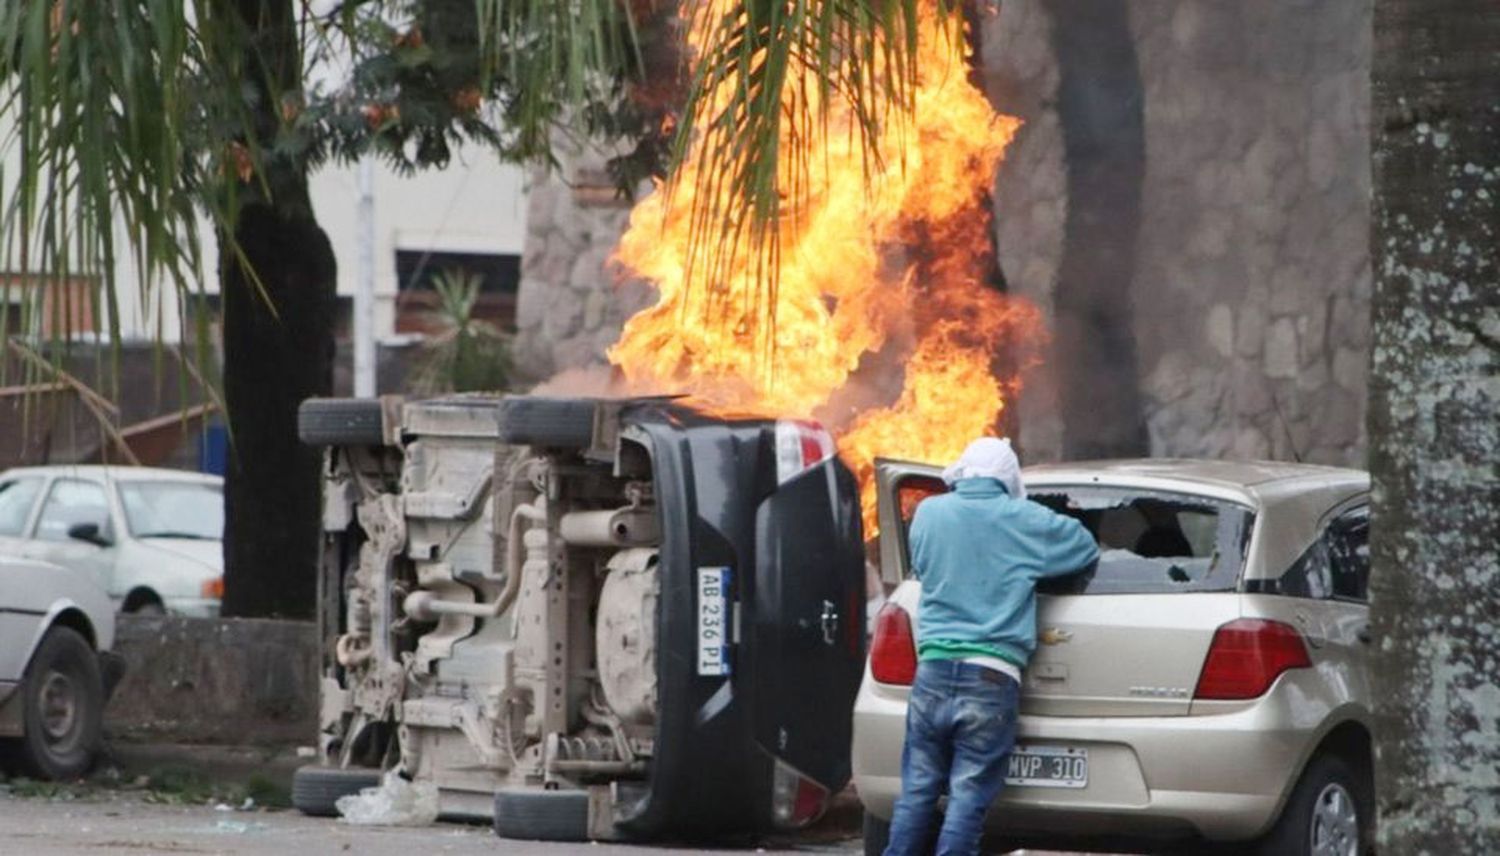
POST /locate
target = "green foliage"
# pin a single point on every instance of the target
(466, 354)
(41, 789)
(104, 114)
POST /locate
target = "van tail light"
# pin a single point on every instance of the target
(800, 445)
(796, 800)
(1246, 657)
(893, 649)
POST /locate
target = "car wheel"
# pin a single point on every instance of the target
(877, 834)
(316, 789)
(150, 608)
(554, 423)
(341, 422)
(62, 707)
(1328, 814)
(542, 815)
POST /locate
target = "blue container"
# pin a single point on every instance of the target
(213, 449)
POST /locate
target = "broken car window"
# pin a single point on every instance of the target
(1152, 542)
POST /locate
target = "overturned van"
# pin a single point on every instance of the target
(586, 618)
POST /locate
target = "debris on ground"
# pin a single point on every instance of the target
(396, 802)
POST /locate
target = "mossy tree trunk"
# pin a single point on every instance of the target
(1434, 424)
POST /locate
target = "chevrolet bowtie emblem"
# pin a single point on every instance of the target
(1054, 636)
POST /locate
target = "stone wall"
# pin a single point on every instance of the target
(1251, 281)
(1237, 289)
(572, 300)
(1255, 266)
(199, 680)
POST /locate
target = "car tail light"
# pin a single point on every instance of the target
(1246, 657)
(800, 445)
(893, 650)
(212, 589)
(796, 801)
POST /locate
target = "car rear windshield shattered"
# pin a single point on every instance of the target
(1152, 542)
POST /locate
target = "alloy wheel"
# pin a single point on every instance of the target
(1335, 823)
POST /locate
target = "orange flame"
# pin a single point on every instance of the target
(876, 270)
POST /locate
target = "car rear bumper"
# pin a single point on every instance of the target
(193, 607)
(1220, 776)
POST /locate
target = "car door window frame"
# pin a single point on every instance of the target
(903, 523)
(1337, 530)
(40, 510)
(29, 519)
(1328, 530)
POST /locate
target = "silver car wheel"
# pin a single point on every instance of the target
(1335, 823)
(59, 707)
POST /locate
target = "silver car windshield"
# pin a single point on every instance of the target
(1152, 542)
(166, 509)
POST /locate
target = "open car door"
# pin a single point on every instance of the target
(902, 486)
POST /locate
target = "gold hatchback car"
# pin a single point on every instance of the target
(1205, 682)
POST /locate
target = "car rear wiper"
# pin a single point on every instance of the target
(192, 536)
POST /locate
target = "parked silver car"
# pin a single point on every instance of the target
(1206, 682)
(56, 669)
(152, 538)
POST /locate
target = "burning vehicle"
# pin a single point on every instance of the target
(643, 615)
(586, 618)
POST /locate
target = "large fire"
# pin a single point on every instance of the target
(877, 273)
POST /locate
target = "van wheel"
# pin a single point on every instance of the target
(550, 423)
(341, 422)
(316, 789)
(877, 834)
(541, 815)
(1328, 814)
(62, 707)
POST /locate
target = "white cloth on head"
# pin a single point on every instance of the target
(989, 458)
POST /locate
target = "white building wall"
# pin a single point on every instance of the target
(476, 205)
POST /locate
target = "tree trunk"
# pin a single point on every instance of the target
(278, 350)
(1100, 104)
(1433, 424)
(279, 301)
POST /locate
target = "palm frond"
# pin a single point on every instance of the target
(767, 76)
(552, 61)
(463, 353)
(94, 100)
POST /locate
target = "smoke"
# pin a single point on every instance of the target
(587, 382)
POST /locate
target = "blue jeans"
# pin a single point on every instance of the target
(960, 728)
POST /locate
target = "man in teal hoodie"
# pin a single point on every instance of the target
(978, 552)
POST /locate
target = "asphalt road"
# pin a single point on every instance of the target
(115, 822)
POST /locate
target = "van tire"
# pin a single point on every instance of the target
(549, 423)
(541, 815)
(65, 664)
(341, 422)
(1324, 777)
(316, 789)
